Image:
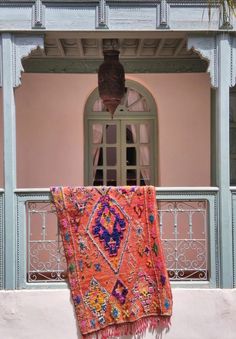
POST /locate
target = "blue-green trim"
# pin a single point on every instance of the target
(9, 161)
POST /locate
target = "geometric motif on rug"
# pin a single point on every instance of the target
(109, 228)
(143, 290)
(96, 299)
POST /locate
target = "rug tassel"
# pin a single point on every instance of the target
(137, 328)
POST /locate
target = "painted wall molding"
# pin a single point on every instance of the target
(63, 65)
(102, 15)
(163, 14)
(21, 47)
(38, 15)
(208, 48)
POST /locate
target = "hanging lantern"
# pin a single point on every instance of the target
(111, 80)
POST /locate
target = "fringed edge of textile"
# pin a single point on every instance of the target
(138, 328)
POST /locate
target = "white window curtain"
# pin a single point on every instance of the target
(136, 103)
(97, 131)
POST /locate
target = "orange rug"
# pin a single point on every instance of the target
(116, 269)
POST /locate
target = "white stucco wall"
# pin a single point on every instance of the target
(48, 314)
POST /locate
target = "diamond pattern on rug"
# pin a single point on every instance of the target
(106, 228)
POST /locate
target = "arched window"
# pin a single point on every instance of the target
(121, 151)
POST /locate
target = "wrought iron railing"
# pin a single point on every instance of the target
(184, 233)
(187, 227)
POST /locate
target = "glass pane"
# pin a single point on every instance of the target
(135, 101)
(98, 106)
(144, 176)
(144, 133)
(98, 180)
(110, 134)
(111, 156)
(97, 133)
(144, 155)
(130, 156)
(97, 156)
(131, 134)
(111, 177)
(131, 177)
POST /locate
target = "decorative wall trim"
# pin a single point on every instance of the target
(233, 61)
(22, 46)
(161, 65)
(102, 15)
(163, 15)
(38, 15)
(206, 47)
(225, 17)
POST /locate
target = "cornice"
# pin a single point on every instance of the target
(63, 65)
(69, 15)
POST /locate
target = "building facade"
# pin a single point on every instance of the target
(174, 129)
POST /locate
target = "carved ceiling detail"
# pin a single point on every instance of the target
(92, 48)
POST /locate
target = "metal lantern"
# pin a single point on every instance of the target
(111, 80)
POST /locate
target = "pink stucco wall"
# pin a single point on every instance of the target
(50, 109)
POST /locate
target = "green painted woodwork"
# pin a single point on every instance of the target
(73, 65)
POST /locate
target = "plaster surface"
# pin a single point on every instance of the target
(50, 128)
(48, 314)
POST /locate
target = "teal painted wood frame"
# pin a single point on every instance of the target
(222, 164)
(174, 194)
(9, 161)
(2, 268)
(121, 114)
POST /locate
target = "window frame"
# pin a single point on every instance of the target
(121, 114)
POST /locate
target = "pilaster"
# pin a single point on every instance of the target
(12, 51)
(9, 160)
(219, 50)
(223, 160)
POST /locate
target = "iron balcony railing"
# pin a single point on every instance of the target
(188, 229)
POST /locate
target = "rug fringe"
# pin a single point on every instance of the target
(137, 328)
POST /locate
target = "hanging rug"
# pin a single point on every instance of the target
(116, 269)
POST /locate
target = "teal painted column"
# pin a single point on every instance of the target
(9, 162)
(223, 160)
